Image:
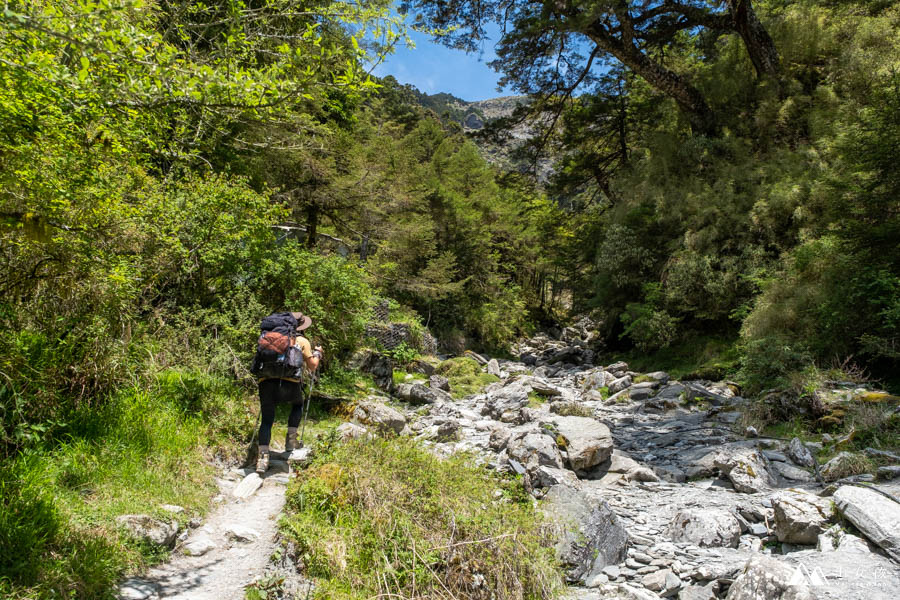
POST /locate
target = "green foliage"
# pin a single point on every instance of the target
(137, 451)
(378, 513)
(465, 376)
(403, 353)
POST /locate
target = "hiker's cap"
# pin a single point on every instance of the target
(302, 320)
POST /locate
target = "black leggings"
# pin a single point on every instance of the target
(276, 391)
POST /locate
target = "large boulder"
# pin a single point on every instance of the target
(587, 442)
(766, 578)
(533, 449)
(152, 530)
(746, 468)
(707, 528)
(416, 393)
(800, 517)
(507, 399)
(379, 416)
(876, 516)
(589, 536)
(381, 367)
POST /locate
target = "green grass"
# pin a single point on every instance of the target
(465, 376)
(404, 377)
(377, 517)
(702, 357)
(139, 450)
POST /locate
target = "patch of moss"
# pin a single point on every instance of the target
(535, 400)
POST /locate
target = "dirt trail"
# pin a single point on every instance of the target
(240, 537)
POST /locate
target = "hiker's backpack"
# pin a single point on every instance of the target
(276, 355)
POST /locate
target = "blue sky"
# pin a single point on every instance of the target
(435, 68)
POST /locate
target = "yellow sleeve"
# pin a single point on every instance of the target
(304, 346)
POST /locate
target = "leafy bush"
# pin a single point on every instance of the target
(388, 517)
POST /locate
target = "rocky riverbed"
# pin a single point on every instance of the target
(651, 492)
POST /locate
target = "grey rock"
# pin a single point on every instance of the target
(587, 442)
(766, 578)
(439, 382)
(774, 455)
(544, 476)
(619, 462)
(665, 582)
(533, 449)
(589, 536)
(351, 431)
(800, 454)
(889, 472)
(172, 508)
(660, 376)
(792, 473)
(493, 367)
(544, 388)
(639, 394)
(699, 592)
(800, 517)
(198, 546)
(240, 533)
(448, 431)
(597, 380)
(379, 416)
(618, 368)
(670, 392)
(877, 517)
(150, 529)
(641, 474)
(617, 385)
(381, 367)
(138, 589)
(846, 575)
(508, 398)
(746, 468)
(835, 538)
(416, 393)
(670, 474)
(499, 437)
(707, 528)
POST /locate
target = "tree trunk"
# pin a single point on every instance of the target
(312, 225)
(668, 82)
(759, 44)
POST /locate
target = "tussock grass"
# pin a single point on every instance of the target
(381, 518)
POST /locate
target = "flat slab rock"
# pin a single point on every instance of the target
(876, 516)
(589, 535)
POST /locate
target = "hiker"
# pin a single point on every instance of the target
(282, 381)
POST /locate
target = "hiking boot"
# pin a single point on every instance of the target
(290, 441)
(262, 465)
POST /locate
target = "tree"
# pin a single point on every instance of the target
(553, 49)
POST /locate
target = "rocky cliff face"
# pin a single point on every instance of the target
(473, 116)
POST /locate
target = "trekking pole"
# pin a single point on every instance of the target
(312, 378)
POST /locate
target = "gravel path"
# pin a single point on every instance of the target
(239, 538)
